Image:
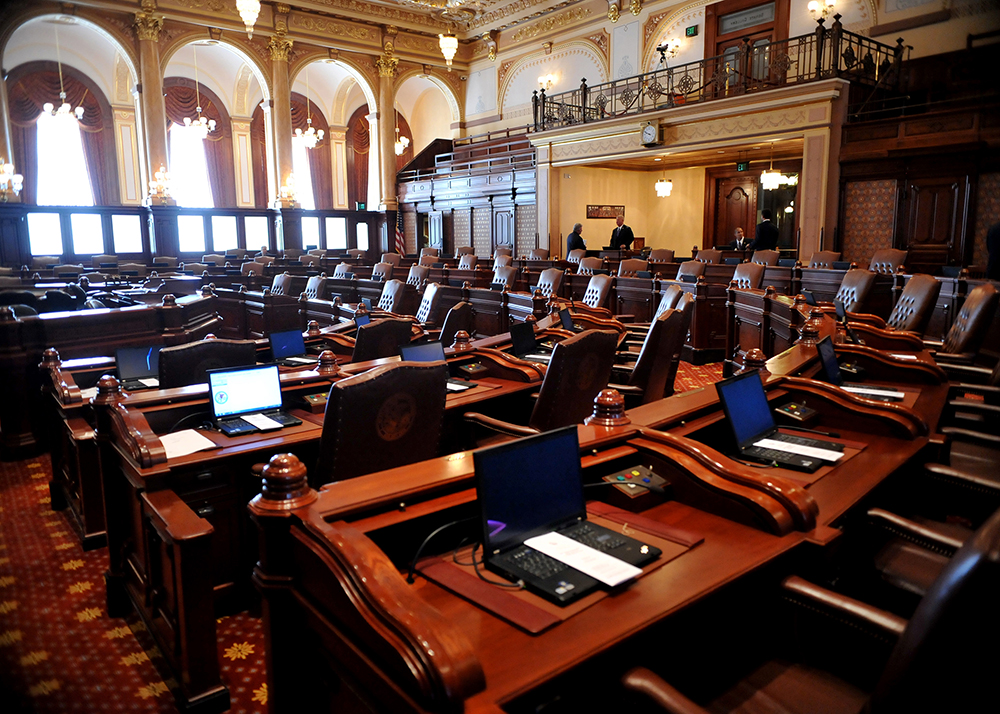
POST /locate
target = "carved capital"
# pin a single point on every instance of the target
(635, 6)
(490, 38)
(280, 48)
(281, 19)
(147, 26)
(386, 65)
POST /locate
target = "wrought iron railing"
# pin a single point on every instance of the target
(824, 54)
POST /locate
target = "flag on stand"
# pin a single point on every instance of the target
(400, 238)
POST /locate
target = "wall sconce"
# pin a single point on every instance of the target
(286, 194)
(159, 189)
(546, 81)
(10, 182)
(820, 8)
(663, 187)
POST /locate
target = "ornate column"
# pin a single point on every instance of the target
(280, 47)
(338, 153)
(154, 113)
(387, 65)
(6, 149)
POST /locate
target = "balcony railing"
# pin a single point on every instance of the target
(824, 54)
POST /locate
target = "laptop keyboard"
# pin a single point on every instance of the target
(533, 562)
(803, 441)
(602, 540)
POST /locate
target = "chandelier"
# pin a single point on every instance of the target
(10, 182)
(159, 187)
(771, 179)
(310, 137)
(820, 8)
(201, 124)
(663, 187)
(64, 111)
(401, 141)
(248, 9)
(449, 46)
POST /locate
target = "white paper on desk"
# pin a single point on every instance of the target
(182, 443)
(608, 569)
(301, 360)
(457, 387)
(262, 422)
(891, 354)
(150, 382)
(90, 393)
(879, 392)
(810, 451)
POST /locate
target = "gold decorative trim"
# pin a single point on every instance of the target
(550, 23)
(147, 26)
(332, 28)
(279, 47)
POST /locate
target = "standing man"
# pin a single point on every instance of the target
(575, 240)
(741, 242)
(621, 237)
(766, 237)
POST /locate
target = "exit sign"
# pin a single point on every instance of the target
(691, 31)
(742, 165)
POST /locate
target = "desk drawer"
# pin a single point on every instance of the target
(204, 481)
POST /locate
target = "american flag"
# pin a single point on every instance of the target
(400, 238)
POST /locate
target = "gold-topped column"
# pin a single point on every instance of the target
(147, 27)
(280, 47)
(387, 65)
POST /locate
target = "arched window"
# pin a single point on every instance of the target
(181, 102)
(62, 174)
(303, 174)
(189, 181)
(312, 167)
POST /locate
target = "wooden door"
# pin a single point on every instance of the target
(936, 212)
(735, 207)
(503, 229)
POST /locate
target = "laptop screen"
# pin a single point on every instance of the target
(828, 361)
(367, 302)
(522, 337)
(138, 362)
(841, 311)
(745, 404)
(566, 319)
(528, 487)
(810, 298)
(244, 390)
(428, 352)
(361, 320)
(287, 344)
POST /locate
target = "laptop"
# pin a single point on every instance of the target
(367, 302)
(810, 298)
(138, 367)
(852, 336)
(289, 349)
(246, 399)
(566, 318)
(432, 352)
(533, 487)
(832, 374)
(362, 319)
(757, 438)
(524, 344)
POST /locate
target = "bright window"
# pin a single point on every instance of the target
(362, 232)
(190, 234)
(189, 181)
(62, 166)
(303, 175)
(336, 233)
(224, 233)
(256, 232)
(310, 232)
(127, 232)
(88, 233)
(44, 234)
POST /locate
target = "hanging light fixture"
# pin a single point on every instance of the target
(401, 141)
(449, 46)
(159, 187)
(10, 182)
(248, 9)
(64, 110)
(771, 179)
(821, 8)
(202, 124)
(310, 137)
(663, 187)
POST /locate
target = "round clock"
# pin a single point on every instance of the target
(649, 134)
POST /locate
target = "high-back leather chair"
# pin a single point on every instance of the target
(503, 250)
(382, 271)
(580, 368)
(538, 254)
(685, 305)
(264, 259)
(182, 365)
(550, 280)
(38, 262)
(459, 317)
(710, 255)
(252, 268)
(57, 301)
(281, 284)
(386, 417)
(292, 253)
(427, 310)
(468, 262)
(824, 259)
(315, 288)
(213, 259)
(67, 268)
(343, 270)
(392, 258)
(356, 252)
(313, 260)
(21, 311)
(765, 257)
(854, 289)
(748, 275)
(587, 266)
(167, 260)
(576, 255)
(886, 261)
(464, 250)
(502, 261)
(139, 269)
(652, 367)
(428, 261)
(433, 252)
(669, 300)
(631, 266)
(321, 252)
(238, 253)
(104, 258)
(392, 295)
(597, 291)
(417, 275)
(691, 268)
(93, 304)
(381, 338)
(968, 330)
(661, 255)
(17, 297)
(506, 275)
(915, 305)
(195, 268)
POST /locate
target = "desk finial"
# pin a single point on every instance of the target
(328, 366)
(609, 410)
(463, 342)
(285, 487)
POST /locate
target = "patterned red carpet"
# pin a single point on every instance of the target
(59, 650)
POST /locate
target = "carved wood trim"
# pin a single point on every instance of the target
(133, 433)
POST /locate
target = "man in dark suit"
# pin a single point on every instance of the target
(766, 237)
(621, 237)
(741, 242)
(574, 241)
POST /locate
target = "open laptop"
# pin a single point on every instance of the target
(138, 367)
(533, 487)
(362, 319)
(852, 336)
(566, 318)
(757, 438)
(289, 349)
(432, 352)
(525, 345)
(831, 373)
(246, 399)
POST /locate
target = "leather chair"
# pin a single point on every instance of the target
(685, 304)
(824, 259)
(506, 275)
(168, 260)
(459, 317)
(661, 255)
(182, 365)
(292, 253)
(381, 338)
(239, 254)
(915, 305)
(264, 259)
(538, 254)
(67, 268)
(886, 261)
(381, 419)
(749, 276)
(765, 257)
(550, 280)
(320, 252)
(18, 297)
(587, 266)
(252, 268)
(9, 281)
(427, 310)
(343, 270)
(709, 255)
(578, 371)
(464, 250)
(428, 261)
(854, 289)
(971, 324)
(502, 261)
(312, 260)
(417, 275)
(468, 262)
(315, 288)
(104, 258)
(392, 296)
(57, 301)
(645, 379)
(382, 271)
(503, 251)
(694, 268)
(21, 311)
(356, 252)
(281, 284)
(598, 290)
(424, 252)
(576, 255)
(38, 262)
(391, 258)
(213, 259)
(631, 266)
(195, 268)
(139, 269)
(93, 304)
(943, 659)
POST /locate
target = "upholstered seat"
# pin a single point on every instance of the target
(391, 258)
(239, 254)
(631, 266)
(252, 268)
(213, 259)
(67, 268)
(824, 259)
(886, 261)
(598, 290)
(538, 254)
(749, 276)
(381, 338)
(690, 268)
(391, 299)
(974, 318)
(646, 379)
(417, 275)
(264, 259)
(587, 266)
(182, 365)
(503, 250)
(382, 271)
(765, 257)
(428, 261)
(709, 255)
(459, 317)
(502, 261)
(432, 252)
(854, 289)
(427, 310)
(661, 255)
(104, 259)
(550, 280)
(138, 269)
(386, 417)
(315, 288)
(915, 305)
(464, 250)
(468, 262)
(576, 255)
(356, 252)
(312, 260)
(292, 253)
(40, 262)
(343, 270)
(320, 252)
(506, 275)
(57, 301)
(195, 268)
(281, 284)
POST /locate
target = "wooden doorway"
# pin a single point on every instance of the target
(729, 21)
(732, 204)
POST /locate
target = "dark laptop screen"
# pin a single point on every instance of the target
(287, 344)
(841, 310)
(828, 361)
(138, 362)
(522, 337)
(528, 487)
(810, 298)
(244, 390)
(361, 320)
(428, 352)
(566, 319)
(367, 303)
(745, 404)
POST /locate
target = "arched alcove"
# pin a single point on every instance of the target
(569, 64)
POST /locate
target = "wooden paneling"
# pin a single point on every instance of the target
(936, 216)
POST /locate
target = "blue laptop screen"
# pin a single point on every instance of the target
(828, 361)
(428, 352)
(287, 344)
(138, 362)
(746, 407)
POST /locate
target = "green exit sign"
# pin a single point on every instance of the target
(742, 165)
(691, 31)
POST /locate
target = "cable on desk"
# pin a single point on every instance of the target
(411, 571)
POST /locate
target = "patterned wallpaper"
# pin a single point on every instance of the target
(524, 229)
(869, 210)
(482, 218)
(410, 232)
(987, 214)
(463, 228)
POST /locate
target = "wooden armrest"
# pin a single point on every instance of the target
(933, 344)
(964, 358)
(500, 426)
(911, 530)
(843, 605)
(864, 318)
(965, 479)
(179, 521)
(652, 685)
(626, 388)
(970, 435)
(974, 405)
(971, 371)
